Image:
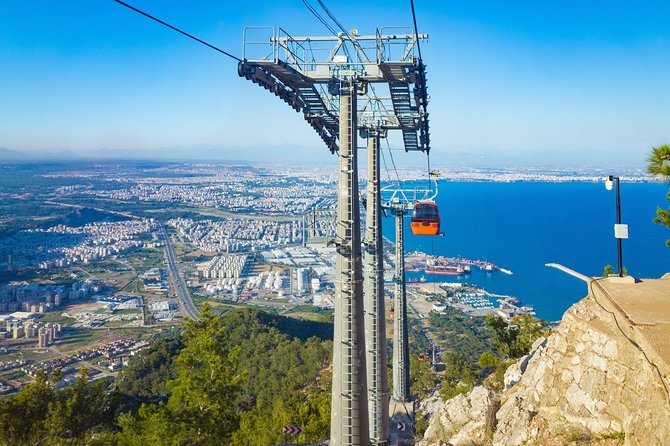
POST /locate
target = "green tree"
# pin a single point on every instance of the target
(145, 378)
(514, 339)
(658, 164)
(459, 375)
(79, 408)
(422, 378)
(22, 416)
(487, 360)
(609, 270)
(201, 408)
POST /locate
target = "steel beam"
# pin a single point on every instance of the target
(349, 408)
(400, 334)
(401, 407)
(375, 314)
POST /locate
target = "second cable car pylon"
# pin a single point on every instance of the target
(400, 202)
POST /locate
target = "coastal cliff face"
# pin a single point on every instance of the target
(601, 378)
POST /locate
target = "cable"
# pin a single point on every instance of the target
(178, 30)
(424, 97)
(344, 31)
(332, 17)
(318, 16)
(393, 162)
(386, 167)
(416, 32)
(428, 159)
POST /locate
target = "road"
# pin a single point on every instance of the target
(177, 280)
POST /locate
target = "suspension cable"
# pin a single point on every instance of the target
(429, 174)
(318, 16)
(386, 167)
(394, 166)
(178, 30)
(416, 32)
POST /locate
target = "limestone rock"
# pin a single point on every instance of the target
(460, 421)
(594, 378)
(601, 384)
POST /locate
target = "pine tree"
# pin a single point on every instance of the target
(201, 406)
(658, 164)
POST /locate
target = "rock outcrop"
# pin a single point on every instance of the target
(603, 375)
(461, 422)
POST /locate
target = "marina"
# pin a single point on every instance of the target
(472, 299)
(426, 271)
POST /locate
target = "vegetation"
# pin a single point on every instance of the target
(237, 378)
(460, 375)
(201, 407)
(422, 378)
(515, 339)
(658, 163)
(40, 414)
(469, 336)
(609, 270)
(224, 380)
(146, 379)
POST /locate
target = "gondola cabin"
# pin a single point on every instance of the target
(425, 218)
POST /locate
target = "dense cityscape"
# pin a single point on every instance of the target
(256, 236)
(401, 223)
(244, 236)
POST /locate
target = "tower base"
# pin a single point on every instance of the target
(402, 412)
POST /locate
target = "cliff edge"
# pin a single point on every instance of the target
(602, 378)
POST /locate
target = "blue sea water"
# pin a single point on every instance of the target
(522, 226)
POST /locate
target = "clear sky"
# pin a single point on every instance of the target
(528, 81)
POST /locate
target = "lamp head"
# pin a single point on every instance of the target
(609, 184)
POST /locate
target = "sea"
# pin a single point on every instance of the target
(522, 226)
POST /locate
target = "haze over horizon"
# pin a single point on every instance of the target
(519, 84)
(320, 155)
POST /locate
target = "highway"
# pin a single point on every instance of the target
(177, 281)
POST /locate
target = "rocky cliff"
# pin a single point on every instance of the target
(601, 378)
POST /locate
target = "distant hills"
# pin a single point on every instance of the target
(6, 154)
(14, 155)
(475, 157)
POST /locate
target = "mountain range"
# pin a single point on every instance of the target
(475, 158)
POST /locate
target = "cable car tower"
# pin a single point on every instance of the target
(400, 202)
(323, 77)
(326, 78)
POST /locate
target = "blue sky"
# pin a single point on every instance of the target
(529, 82)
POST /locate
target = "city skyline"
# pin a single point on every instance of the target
(519, 84)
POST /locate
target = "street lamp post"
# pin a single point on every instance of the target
(620, 230)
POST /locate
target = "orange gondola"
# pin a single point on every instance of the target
(425, 218)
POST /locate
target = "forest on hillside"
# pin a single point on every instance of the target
(236, 379)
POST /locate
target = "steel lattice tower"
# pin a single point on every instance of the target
(349, 413)
(400, 334)
(375, 313)
(336, 97)
(401, 407)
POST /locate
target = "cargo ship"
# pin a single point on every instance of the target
(446, 270)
